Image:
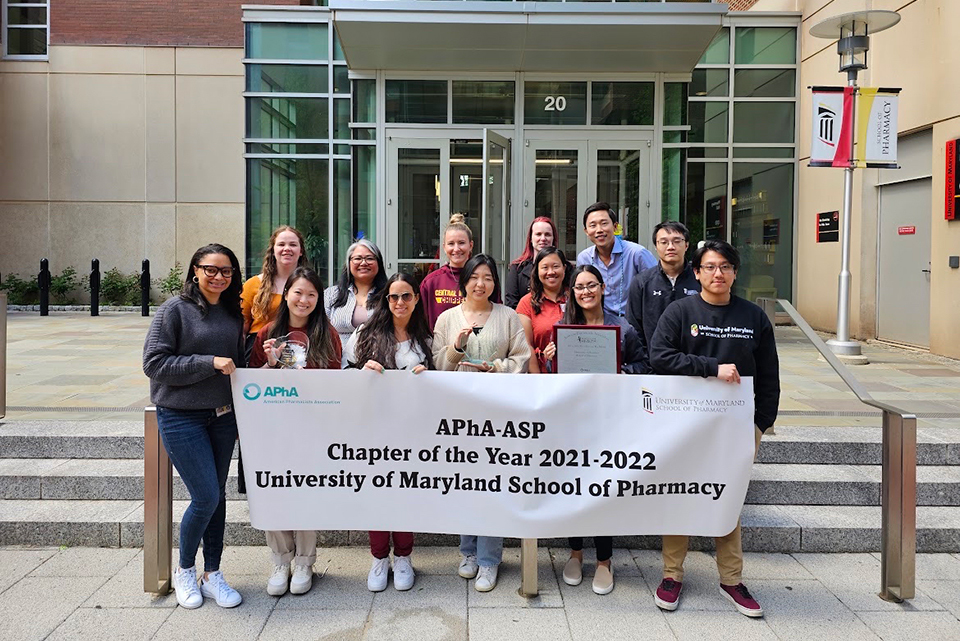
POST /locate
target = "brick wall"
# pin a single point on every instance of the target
(740, 5)
(211, 23)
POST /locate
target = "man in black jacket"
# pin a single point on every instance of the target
(717, 334)
(672, 279)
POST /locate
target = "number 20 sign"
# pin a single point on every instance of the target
(554, 103)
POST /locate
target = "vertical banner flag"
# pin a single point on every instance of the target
(877, 127)
(831, 131)
(953, 185)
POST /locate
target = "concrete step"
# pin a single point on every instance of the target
(766, 528)
(772, 484)
(810, 445)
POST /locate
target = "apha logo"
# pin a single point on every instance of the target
(252, 392)
(647, 400)
(826, 125)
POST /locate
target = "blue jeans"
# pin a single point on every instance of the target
(487, 549)
(200, 445)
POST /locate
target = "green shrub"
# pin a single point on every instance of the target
(116, 288)
(19, 291)
(62, 285)
(171, 284)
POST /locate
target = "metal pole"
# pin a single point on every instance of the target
(898, 529)
(842, 343)
(43, 283)
(528, 568)
(145, 287)
(3, 354)
(95, 287)
(157, 508)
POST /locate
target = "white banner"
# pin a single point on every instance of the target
(877, 125)
(513, 455)
(830, 131)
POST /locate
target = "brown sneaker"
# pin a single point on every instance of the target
(668, 594)
(603, 580)
(740, 597)
(573, 572)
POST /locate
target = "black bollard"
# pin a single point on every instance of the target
(95, 287)
(43, 282)
(145, 287)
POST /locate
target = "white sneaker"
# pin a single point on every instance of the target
(302, 579)
(403, 574)
(188, 592)
(278, 581)
(487, 579)
(468, 567)
(379, 571)
(216, 588)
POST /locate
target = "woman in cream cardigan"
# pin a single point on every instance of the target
(480, 336)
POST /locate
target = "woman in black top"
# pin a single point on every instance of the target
(542, 233)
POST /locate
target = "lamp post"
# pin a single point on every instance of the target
(853, 32)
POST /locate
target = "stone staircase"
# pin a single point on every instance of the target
(814, 489)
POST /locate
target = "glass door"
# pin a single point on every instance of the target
(496, 197)
(555, 186)
(620, 175)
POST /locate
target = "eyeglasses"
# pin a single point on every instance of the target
(666, 242)
(396, 298)
(360, 260)
(589, 287)
(212, 270)
(725, 268)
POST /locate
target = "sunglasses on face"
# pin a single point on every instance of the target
(396, 298)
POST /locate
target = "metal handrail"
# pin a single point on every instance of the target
(898, 506)
(3, 354)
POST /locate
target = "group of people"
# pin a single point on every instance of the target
(454, 321)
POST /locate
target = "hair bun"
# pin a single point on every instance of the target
(457, 218)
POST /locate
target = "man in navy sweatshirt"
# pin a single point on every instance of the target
(724, 336)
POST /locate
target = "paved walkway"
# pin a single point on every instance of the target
(83, 593)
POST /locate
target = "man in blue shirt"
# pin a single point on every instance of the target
(617, 259)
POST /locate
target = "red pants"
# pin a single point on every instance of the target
(380, 544)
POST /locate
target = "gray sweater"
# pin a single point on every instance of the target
(178, 355)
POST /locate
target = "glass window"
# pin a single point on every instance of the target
(618, 183)
(287, 118)
(417, 101)
(286, 41)
(341, 119)
(706, 201)
(365, 192)
(555, 103)
(343, 219)
(622, 103)
(763, 121)
(718, 52)
(365, 101)
(765, 83)
(288, 191)
(766, 45)
(708, 122)
(762, 228)
(364, 133)
(672, 136)
(555, 194)
(341, 80)
(26, 29)
(337, 48)
(674, 103)
(671, 189)
(287, 78)
(710, 82)
(418, 204)
(287, 148)
(763, 152)
(466, 184)
(483, 102)
(707, 152)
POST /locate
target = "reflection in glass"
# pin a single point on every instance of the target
(671, 189)
(766, 45)
(765, 83)
(555, 194)
(286, 41)
(674, 104)
(762, 207)
(341, 79)
(718, 53)
(708, 121)
(763, 152)
(287, 78)
(423, 101)
(706, 201)
(483, 102)
(26, 42)
(763, 122)
(618, 183)
(622, 103)
(343, 221)
(709, 82)
(493, 232)
(555, 103)
(466, 184)
(287, 118)
(341, 119)
(365, 101)
(365, 192)
(418, 203)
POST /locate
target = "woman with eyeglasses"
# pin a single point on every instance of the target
(395, 337)
(351, 300)
(479, 335)
(300, 312)
(541, 234)
(543, 306)
(261, 296)
(586, 308)
(193, 345)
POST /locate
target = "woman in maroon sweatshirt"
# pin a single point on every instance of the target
(440, 290)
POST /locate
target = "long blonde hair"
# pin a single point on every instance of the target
(261, 302)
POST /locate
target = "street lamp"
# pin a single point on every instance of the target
(853, 33)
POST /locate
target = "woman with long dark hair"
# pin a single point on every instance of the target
(194, 343)
(586, 308)
(262, 294)
(479, 335)
(543, 306)
(541, 234)
(351, 300)
(301, 312)
(395, 337)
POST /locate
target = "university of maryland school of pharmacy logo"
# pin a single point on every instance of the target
(647, 401)
(251, 391)
(694, 330)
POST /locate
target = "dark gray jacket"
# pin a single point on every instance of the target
(178, 355)
(650, 293)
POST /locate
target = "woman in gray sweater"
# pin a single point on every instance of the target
(195, 342)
